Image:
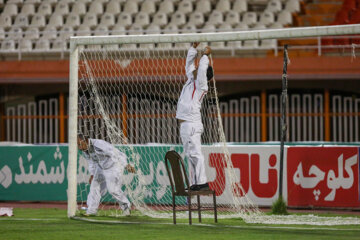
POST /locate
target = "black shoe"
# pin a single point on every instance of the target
(204, 186)
(194, 187)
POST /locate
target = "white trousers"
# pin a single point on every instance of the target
(106, 180)
(190, 134)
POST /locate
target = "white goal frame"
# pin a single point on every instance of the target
(75, 42)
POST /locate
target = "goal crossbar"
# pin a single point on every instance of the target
(285, 33)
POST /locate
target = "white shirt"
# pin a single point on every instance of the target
(194, 91)
(103, 155)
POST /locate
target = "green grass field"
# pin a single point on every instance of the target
(53, 224)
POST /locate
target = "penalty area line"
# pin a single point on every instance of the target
(216, 226)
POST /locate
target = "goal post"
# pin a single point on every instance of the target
(115, 62)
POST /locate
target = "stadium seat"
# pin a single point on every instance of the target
(32, 33)
(189, 28)
(225, 27)
(148, 6)
(284, 18)
(62, 8)
(124, 19)
(142, 19)
(72, 20)
(240, 6)
(49, 33)
(267, 18)
(19, 2)
(223, 6)
(33, 1)
(268, 43)
(28, 9)
(160, 19)
(42, 44)
(241, 27)
(292, 6)
(254, 43)
(90, 20)
(178, 19)
(216, 18)
(25, 45)
(66, 32)
(153, 29)
(21, 20)
(59, 45)
(197, 19)
(15, 33)
(131, 7)
(185, 7)
(38, 20)
(203, 6)
(118, 30)
(83, 31)
(86, 2)
(274, 6)
(232, 18)
(113, 7)
(10, 10)
(5, 21)
(96, 8)
(167, 7)
(171, 29)
(168, 29)
(250, 18)
(51, 2)
(79, 8)
(56, 20)
(276, 25)
(44, 9)
(2, 33)
(8, 45)
(101, 31)
(208, 28)
(107, 20)
(136, 30)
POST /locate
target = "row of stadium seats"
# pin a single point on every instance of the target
(143, 20)
(28, 17)
(41, 45)
(98, 7)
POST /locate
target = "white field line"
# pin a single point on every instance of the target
(217, 226)
(29, 219)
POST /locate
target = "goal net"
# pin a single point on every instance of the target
(124, 90)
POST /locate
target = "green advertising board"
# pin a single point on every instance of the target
(38, 173)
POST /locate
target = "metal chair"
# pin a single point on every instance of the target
(180, 186)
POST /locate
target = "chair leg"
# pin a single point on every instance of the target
(215, 210)
(199, 206)
(174, 209)
(189, 208)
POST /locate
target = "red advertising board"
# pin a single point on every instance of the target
(323, 176)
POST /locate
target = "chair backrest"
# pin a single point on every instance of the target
(177, 174)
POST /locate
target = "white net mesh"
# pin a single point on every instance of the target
(128, 97)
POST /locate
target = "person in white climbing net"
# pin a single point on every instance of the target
(106, 165)
(189, 116)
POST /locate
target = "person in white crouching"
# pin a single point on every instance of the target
(106, 165)
(189, 115)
